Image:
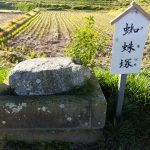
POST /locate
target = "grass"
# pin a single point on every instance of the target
(15, 145)
(138, 85)
(132, 131)
(3, 74)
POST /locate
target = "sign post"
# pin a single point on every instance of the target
(121, 89)
(130, 35)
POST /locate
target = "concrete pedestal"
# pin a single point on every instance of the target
(67, 117)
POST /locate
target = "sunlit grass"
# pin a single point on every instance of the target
(3, 73)
(137, 85)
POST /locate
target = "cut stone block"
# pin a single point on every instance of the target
(47, 76)
(67, 117)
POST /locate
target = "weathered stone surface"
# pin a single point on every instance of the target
(76, 118)
(65, 135)
(46, 76)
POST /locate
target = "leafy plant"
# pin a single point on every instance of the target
(87, 43)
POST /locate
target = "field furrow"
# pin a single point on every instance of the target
(51, 31)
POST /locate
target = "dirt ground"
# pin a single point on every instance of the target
(51, 46)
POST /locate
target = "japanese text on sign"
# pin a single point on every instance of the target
(128, 43)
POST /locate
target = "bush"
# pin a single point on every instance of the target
(86, 7)
(24, 6)
(87, 43)
(54, 6)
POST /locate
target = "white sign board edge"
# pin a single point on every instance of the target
(138, 39)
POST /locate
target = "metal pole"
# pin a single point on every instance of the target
(121, 89)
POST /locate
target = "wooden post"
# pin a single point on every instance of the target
(121, 89)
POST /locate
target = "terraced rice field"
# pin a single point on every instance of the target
(50, 31)
(5, 17)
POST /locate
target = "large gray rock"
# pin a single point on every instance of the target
(46, 76)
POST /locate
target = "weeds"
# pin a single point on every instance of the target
(25, 6)
(137, 86)
(133, 129)
(11, 56)
(3, 73)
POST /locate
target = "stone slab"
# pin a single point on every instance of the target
(68, 135)
(74, 118)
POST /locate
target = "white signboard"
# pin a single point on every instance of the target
(128, 42)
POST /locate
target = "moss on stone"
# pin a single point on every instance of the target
(90, 88)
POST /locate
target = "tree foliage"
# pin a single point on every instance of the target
(24, 6)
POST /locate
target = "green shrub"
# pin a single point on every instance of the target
(87, 7)
(87, 43)
(84, 7)
(24, 6)
(55, 6)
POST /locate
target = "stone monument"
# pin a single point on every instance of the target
(53, 99)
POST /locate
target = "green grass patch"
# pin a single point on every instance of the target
(132, 131)
(3, 74)
(137, 85)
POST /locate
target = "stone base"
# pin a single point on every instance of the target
(65, 135)
(73, 118)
